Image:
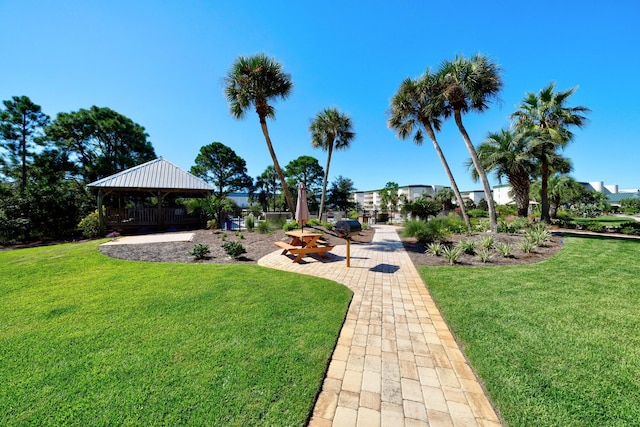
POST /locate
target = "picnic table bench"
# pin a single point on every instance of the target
(303, 243)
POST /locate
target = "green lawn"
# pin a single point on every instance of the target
(556, 343)
(89, 340)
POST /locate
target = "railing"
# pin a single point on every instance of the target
(149, 217)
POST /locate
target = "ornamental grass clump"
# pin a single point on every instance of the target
(467, 246)
(504, 249)
(527, 246)
(452, 253)
(484, 255)
(538, 235)
(435, 248)
(264, 227)
(487, 242)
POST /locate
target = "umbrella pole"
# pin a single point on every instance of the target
(348, 252)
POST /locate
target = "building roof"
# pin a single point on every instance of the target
(618, 197)
(158, 174)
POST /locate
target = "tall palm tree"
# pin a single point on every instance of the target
(549, 116)
(562, 189)
(256, 81)
(330, 129)
(417, 106)
(468, 85)
(508, 154)
(445, 197)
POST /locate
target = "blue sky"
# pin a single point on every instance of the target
(161, 63)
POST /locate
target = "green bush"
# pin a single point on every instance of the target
(314, 221)
(505, 210)
(353, 215)
(487, 242)
(290, 225)
(630, 228)
(477, 213)
(452, 254)
(595, 227)
(435, 249)
(90, 226)
(327, 225)
(504, 249)
(484, 255)
(234, 249)
(212, 224)
(200, 251)
(264, 227)
(467, 246)
(426, 231)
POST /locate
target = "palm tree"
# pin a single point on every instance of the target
(330, 129)
(444, 196)
(255, 81)
(562, 189)
(508, 154)
(469, 85)
(549, 117)
(418, 104)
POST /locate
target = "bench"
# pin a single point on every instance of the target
(302, 251)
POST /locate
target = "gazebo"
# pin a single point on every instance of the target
(159, 179)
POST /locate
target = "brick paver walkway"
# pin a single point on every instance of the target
(396, 362)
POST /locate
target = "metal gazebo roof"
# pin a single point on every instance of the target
(158, 174)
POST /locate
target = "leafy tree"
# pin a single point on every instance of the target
(100, 142)
(389, 197)
(562, 189)
(224, 169)
(418, 105)
(445, 197)
(221, 166)
(508, 154)
(330, 129)
(256, 81)
(422, 207)
(305, 169)
(340, 196)
(267, 188)
(549, 118)
(467, 86)
(21, 130)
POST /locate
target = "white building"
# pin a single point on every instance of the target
(371, 200)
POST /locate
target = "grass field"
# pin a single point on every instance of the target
(89, 340)
(556, 343)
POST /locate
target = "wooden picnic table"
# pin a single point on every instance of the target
(303, 243)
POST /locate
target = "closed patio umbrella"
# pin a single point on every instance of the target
(302, 210)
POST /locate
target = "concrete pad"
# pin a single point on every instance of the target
(152, 238)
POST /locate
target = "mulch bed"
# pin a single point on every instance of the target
(256, 244)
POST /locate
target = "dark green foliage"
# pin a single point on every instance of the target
(340, 194)
(422, 208)
(234, 249)
(200, 251)
(478, 213)
(426, 231)
(100, 141)
(630, 227)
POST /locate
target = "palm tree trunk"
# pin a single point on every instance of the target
(493, 220)
(276, 165)
(521, 187)
(463, 210)
(326, 179)
(544, 191)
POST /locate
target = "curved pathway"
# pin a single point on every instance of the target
(395, 362)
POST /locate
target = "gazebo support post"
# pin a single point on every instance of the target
(100, 215)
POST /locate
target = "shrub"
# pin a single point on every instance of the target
(504, 249)
(264, 227)
(452, 254)
(314, 221)
(90, 226)
(467, 246)
(233, 249)
(327, 225)
(426, 232)
(527, 246)
(595, 227)
(538, 235)
(487, 242)
(290, 225)
(434, 249)
(200, 251)
(484, 255)
(482, 226)
(452, 223)
(630, 228)
(353, 215)
(477, 213)
(212, 224)
(505, 210)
